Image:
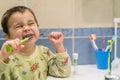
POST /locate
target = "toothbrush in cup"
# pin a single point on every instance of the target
(9, 48)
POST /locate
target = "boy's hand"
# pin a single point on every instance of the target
(15, 47)
(57, 39)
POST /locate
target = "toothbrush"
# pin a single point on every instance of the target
(103, 44)
(109, 49)
(9, 48)
(109, 64)
(92, 38)
(110, 43)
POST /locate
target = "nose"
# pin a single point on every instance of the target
(26, 28)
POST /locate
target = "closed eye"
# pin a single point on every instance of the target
(18, 26)
(32, 23)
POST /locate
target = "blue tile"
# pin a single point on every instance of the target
(1, 43)
(68, 45)
(118, 46)
(97, 31)
(65, 31)
(45, 42)
(1, 33)
(82, 31)
(85, 51)
(118, 31)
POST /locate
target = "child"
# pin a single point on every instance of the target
(28, 61)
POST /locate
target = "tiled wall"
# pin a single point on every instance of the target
(77, 41)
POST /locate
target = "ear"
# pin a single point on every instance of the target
(6, 36)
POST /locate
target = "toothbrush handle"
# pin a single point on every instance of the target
(109, 64)
(9, 48)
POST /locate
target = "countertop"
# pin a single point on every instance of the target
(84, 72)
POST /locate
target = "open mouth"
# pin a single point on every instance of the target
(28, 36)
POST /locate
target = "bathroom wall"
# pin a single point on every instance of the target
(67, 13)
(94, 13)
(77, 19)
(117, 8)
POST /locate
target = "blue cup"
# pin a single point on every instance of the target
(101, 59)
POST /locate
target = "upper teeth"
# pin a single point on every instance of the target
(27, 36)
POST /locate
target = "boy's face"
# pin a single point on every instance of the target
(22, 25)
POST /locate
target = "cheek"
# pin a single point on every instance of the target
(15, 34)
(36, 31)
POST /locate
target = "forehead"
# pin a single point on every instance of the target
(20, 16)
(18, 13)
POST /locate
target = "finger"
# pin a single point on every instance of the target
(19, 47)
(51, 35)
(13, 44)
